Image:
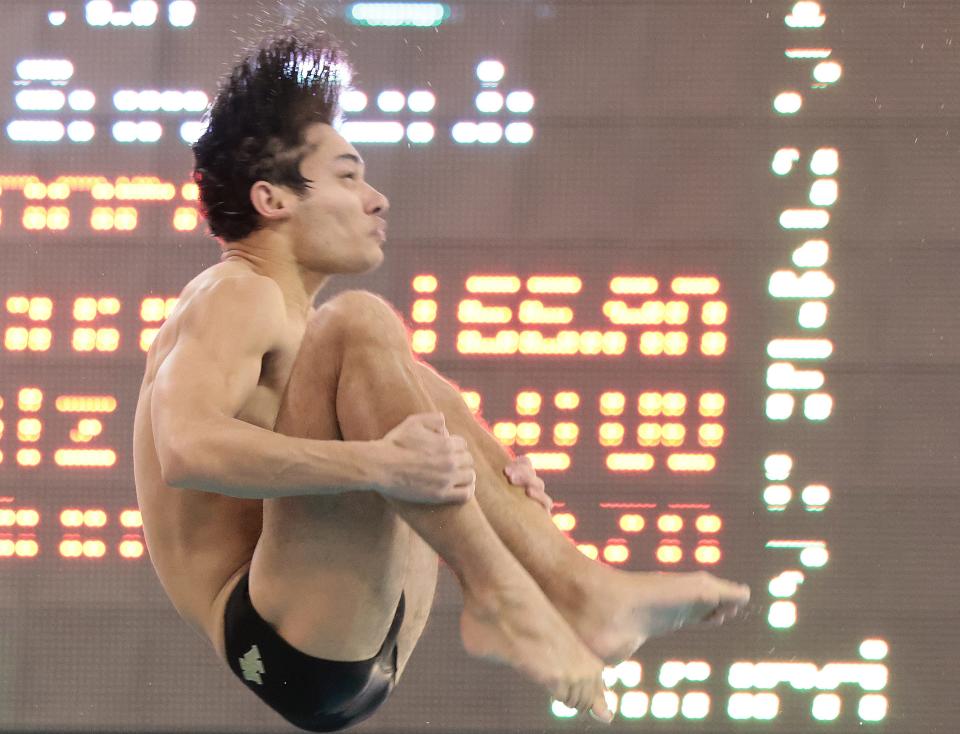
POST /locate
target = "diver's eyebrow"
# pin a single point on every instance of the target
(351, 157)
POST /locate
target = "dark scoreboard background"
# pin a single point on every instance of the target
(698, 258)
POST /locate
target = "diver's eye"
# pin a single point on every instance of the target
(349, 175)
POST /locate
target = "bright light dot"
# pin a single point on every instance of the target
(191, 131)
(777, 494)
(815, 494)
(35, 131)
(489, 101)
(125, 100)
(121, 18)
(814, 556)
(872, 707)
(421, 101)
(827, 72)
(465, 132)
(665, 704)
(99, 12)
(520, 102)
(778, 467)
(812, 254)
(826, 706)
(194, 100)
(812, 315)
(874, 649)
(784, 159)
(391, 100)
(149, 100)
(780, 406)
(825, 162)
(788, 103)
(144, 12)
(40, 99)
(56, 17)
(420, 132)
(181, 13)
(696, 705)
(489, 132)
(824, 192)
(634, 704)
(54, 70)
(490, 71)
(171, 101)
(353, 101)
(125, 131)
(817, 407)
(740, 675)
(149, 131)
(81, 100)
(519, 133)
(80, 131)
(782, 614)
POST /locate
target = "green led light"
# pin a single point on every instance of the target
(397, 15)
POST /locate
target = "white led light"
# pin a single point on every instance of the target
(740, 675)
(874, 649)
(125, 100)
(784, 159)
(520, 102)
(191, 131)
(872, 707)
(519, 133)
(825, 162)
(779, 406)
(195, 100)
(490, 71)
(824, 192)
(57, 17)
(81, 100)
(489, 132)
(740, 706)
(98, 12)
(54, 70)
(778, 467)
(420, 132)
(465, 132)
(353, 101)
(788, 103)
(40, 99)
(777, 495)
(421, 101)
(814, 556)
(812, 315)
(562, 711)
(698, 671)
(148, 100)
(665, 704)
(35, 131)
(149, 131)
(805, 14)
(489, 101)
(80, 131)
(696, 705)
(121, 19)
(818, 406)
(815, 494)
(827, 72)
(634, 705)
(144, 12)
(125, 131)
(181, 13)
(804, 219)
(672, 672)
(171, 100)
(785, 584)
(800, 348)
(629, 673)
(811, 284)
(782, 614)
(418, 14)
(812, 254)
(391, 100)
(826, 706)
(784, 376)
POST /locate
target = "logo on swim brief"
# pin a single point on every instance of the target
(252, 666)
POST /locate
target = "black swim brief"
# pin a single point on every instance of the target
(311, 693)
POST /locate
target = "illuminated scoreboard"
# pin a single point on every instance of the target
(633, 233)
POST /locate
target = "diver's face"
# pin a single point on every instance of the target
(338, 223)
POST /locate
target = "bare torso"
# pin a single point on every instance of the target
(200, 543)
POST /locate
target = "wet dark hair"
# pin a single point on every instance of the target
(257, 123)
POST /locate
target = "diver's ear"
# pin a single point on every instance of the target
(272, 202)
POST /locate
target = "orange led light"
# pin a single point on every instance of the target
(707, 554)
(549, 460)
(472, 311)
(632, 523)
(28, 457)
(493, 284)
(85, 457)
(630, 462)
(473, 342)
(528, 433)
(566, 400)
(612, 403)
(565, 521)
(709, 523)
(425, 284)
(505, 432)
(713, 343)
(710, 435)
(554, 284)
(714, 313)
(131, 519)
(185, 219)
(636, 286)
(670, 523)
(528, 403)
(673, 434)
(27, 518)
(29, 429)
(589, 550)
(534, 312)
(472, 399)
(611, 434)
(190, 192)
(146, 338)
(669, 553)
(616, 553)
(30, 399)
(131, 549)
(691, 462)
(649, 434)
(424, 311)
(695, 286)
(712, 404)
